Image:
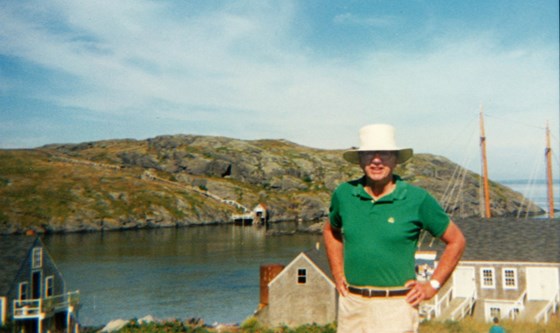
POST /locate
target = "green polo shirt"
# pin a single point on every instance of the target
(380, 236)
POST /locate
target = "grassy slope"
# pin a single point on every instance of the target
(104, 183)
(35, 188)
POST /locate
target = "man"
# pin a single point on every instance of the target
(372, 235)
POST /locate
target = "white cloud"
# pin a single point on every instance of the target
(242, 67)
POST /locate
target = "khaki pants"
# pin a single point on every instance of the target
(357, 314)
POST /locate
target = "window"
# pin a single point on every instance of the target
(495, 312)
(509, 278)
(514, 313)
(37, 258)
(302, 276)
(49, 286)
(23, 290)
(487, 278)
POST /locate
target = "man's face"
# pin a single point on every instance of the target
(378, 165)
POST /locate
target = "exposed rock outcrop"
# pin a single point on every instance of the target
(183, 180)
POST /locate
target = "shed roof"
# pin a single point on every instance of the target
(319, 257)
(13, 253)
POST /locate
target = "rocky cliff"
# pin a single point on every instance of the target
(185, 180)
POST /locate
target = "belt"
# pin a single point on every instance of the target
(367, 292)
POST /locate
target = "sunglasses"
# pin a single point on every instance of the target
(368, 156)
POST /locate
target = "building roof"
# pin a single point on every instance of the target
(319, 257)
(495, 239)
(13, 252)
(508, 240)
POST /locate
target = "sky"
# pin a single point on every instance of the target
(309, 71)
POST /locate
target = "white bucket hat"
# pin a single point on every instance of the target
(377, 137)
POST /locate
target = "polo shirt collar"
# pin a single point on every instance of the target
(398, 193)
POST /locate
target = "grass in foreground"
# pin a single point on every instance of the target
(470, 325)
(253, 326)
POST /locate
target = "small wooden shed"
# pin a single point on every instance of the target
(301, 293)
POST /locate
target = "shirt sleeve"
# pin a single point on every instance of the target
(334, 210)
(435, 220)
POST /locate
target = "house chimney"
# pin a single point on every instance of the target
(268, 273)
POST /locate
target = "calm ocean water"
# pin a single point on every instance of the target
(209, 272)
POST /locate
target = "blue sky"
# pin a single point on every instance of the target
(312, 72)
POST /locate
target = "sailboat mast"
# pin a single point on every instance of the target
(548, 155)
(484, 167)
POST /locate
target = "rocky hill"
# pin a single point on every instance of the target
(185, 180)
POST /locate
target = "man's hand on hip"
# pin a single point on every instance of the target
(419, 291)
(342, 286)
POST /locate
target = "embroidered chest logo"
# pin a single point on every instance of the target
(391, 220)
